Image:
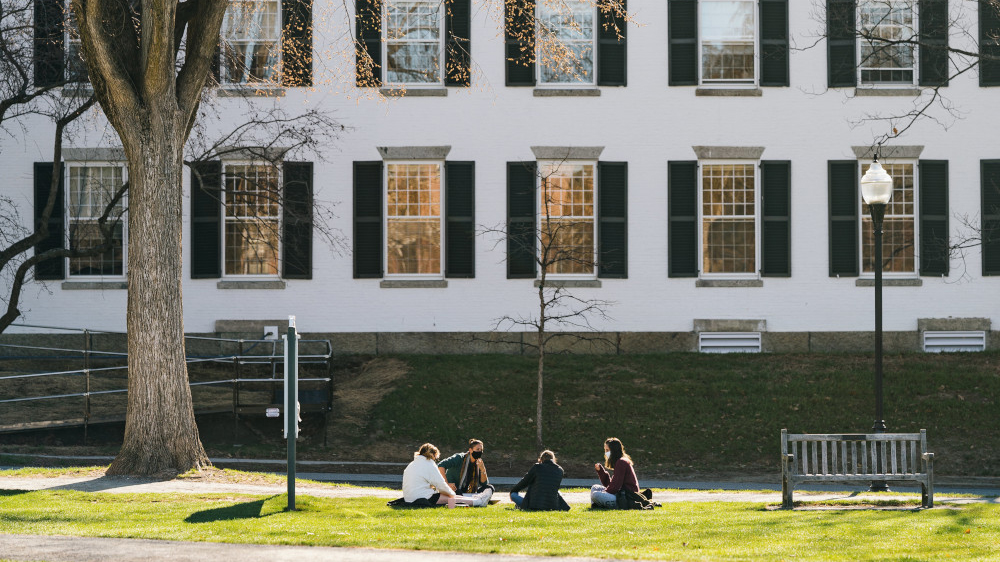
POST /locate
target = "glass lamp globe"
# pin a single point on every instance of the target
(876, 185)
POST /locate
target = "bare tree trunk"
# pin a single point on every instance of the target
(541, 363)
(160, 431)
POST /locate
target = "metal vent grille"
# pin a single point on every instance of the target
(954, 340)
(729, 342)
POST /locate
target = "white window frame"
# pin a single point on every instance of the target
(864, 222)
(385, 222)
(280, 217)
(69, 31)
(593, 50)
(540, 216)
(729, 84)
(861, 43)
(275, 78)
(386, 41)
(757, 207)
(69, 220)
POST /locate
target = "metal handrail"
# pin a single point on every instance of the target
(118, 391)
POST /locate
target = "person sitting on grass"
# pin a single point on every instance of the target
(466, 473)
(542, 482)
(606, 493)
(423, 485)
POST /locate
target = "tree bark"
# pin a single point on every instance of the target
(160, 431)
(541, 363)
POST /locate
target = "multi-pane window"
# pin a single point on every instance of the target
(251, 42)
(91, 190)
(728, 218)
(76, 70)
(898, 236)
(566, 221)
(566, 32)
(252, 209)
(881, 23)
(413, 219)
(728, 41)
(413, 41)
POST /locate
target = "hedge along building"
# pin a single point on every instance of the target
(709, 167)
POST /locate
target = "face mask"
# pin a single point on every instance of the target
(607, 454)
(477, 454)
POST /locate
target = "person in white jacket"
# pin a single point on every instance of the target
(423, 480)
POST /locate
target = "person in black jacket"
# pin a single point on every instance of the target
(542, 482)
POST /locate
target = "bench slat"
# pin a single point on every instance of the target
(854, 457)
(826, 466)
(815, 445)
(895, 470)
(902, 459)
(854, 437)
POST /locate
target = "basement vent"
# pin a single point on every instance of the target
(953, 340)
(729, 342)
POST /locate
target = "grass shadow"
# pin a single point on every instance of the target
(245, 510)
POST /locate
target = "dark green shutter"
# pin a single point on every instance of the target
(612, 220)
(458, 48)
(519, 42)
(296, 42)
(368, 213)
(682, 219)
(206, 220)
(682, 33)
(460, 226)
(49, 56)
(612, 69)
(368, 24)
(776, 233)
(842, 181)
(773, 42)
(933, 203)
(989, 43)
(841, 43)
(521, 220)
(933, 19)
(297, 223)
(990, 229)
(52, 268)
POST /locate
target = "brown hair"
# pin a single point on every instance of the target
(547, 455)
(617, 452)
(429, 451)
(474, 442)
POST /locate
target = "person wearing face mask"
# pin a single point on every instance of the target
(466, 474)
(605, 494)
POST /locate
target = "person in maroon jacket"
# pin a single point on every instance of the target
(615, 458)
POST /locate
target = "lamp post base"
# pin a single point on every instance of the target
(878, 485)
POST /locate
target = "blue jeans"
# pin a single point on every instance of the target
(600, 498)
(517, 498)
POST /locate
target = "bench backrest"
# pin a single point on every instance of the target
(855, 453)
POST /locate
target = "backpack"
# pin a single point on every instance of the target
(627, 499)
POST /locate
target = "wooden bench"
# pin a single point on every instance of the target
(856, 457)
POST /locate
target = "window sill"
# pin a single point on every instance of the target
(889, 92)
(94, 285)
(277, 284)
(890, 282)
(414, 92)
(250, 92)
(414, 284)
(571, 283)
(729, 283)
(566, 92)
(729, 92)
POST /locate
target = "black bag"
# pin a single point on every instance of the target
(627, 499)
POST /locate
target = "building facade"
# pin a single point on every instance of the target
(698, 160)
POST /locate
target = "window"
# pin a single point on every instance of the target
(728, 218)
(881, 23)
(566, 32)
(76, 70)
(91, 189)
(251, 40)
(413, 32)
(252, 219)
(728, 41)
(898, 227)
(413, 219)
(567, 218)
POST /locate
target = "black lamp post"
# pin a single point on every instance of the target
(876, 190)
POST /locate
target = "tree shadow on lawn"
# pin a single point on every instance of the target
(245, 510)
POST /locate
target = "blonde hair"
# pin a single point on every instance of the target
(427, 450)
(547, 455)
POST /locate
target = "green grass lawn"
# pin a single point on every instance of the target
(680, 531)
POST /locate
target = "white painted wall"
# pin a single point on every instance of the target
(646, 124)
